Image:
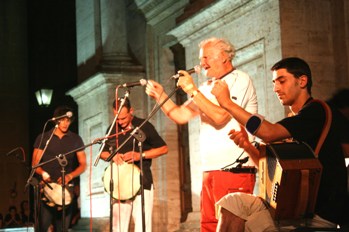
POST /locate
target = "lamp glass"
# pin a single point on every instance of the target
(44, 96)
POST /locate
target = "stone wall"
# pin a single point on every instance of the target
(95, 97)
(253, 28)
(318, 32)
(263, 32)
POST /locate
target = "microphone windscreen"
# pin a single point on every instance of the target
(69, 114)
(143, 82)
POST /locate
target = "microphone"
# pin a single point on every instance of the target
(69, 114)
(190, 71)
(141, 82)
(13, 150)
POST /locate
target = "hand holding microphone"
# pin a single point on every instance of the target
(154, 90)
(186, 81)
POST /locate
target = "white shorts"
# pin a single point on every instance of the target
(257, 216)
(250, 208)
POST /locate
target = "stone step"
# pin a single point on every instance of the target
(192, 224)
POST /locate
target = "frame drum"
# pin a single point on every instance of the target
(126, 179)
(54, 195)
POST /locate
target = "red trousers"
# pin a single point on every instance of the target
(217, 184)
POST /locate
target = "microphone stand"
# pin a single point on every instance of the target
(63, 162)
(61, 158)
(35, 183)
(127, 93)
(140, 126)
(111, 184)
(141, 137)
(141, 134)
(42, 154)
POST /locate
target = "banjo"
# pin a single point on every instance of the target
(126, 179)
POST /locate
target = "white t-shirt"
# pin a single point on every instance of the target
(216, 149)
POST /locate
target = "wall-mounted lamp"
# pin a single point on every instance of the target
(44, 96)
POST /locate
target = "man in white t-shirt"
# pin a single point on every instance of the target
(216, 149)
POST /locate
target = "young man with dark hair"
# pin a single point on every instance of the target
(292, 82)
(58, 141)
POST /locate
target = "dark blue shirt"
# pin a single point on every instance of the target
(153, 140)
(69, 142)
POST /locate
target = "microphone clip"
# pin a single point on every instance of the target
(241, 161)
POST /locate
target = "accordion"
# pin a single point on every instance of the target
(289, 178)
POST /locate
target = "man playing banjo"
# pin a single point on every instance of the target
(126, 165)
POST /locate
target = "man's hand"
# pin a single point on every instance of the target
(221, 92)
(130, 157)
(240, 138)
(118, 159)
(68, 178)
(154, 89)
(186, 82)
(46, 177)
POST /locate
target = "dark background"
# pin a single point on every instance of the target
(51, 57)
(37, 50)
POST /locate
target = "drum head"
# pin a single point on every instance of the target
(126, 179)
(54, 195)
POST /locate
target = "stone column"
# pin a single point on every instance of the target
(115, 56)
(103, 63)
(94, 98)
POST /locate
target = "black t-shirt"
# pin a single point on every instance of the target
(153, 140)
(69, 142)
(307, 126)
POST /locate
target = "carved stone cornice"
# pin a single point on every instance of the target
(119, 63)
(214, 16)
(155, 11)
(100, 82)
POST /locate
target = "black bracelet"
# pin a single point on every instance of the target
(253, 123)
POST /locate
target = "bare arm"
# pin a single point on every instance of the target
(179, 114)
(116, 159)
(131, 156)
(240, 138)
(82, 164)
(218, 115)
(37, 153)
(78, 171)
(268, 132)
